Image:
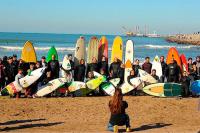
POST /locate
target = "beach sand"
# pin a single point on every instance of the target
(91, 114)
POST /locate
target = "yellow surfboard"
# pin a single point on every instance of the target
(117, 49)
(28, 53)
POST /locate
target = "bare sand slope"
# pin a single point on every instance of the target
(91, 114)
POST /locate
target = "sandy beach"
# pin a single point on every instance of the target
(91, 114)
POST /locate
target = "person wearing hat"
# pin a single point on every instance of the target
(43, 61)
(9, 71)
(17, 78)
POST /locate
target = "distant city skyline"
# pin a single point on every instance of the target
(99, 16)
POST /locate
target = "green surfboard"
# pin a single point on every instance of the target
(52, 51)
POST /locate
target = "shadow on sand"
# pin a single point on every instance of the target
(151, 126)
(147, 127)
(26, 126)
(20, 121)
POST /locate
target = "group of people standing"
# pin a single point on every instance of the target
(12, 69)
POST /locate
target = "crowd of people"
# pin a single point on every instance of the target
(12, 69)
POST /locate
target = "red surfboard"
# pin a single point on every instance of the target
(103, 48)
(184, 63)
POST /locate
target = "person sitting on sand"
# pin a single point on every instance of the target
(132, 75)
(153, 74)
(118, 115)
(17, 78)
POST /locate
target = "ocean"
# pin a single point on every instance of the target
(12, 43)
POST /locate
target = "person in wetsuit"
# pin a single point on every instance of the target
(173, 72)
(132, 75)
(153, 74)
(93, 66)
(118, 116)
(79, 72)
(164, 67)
(10, 71)
(147, 65)
(197, 62)
(103, 64)
(185, 82)
(54, 67)
(121, 73)
(114, 68)
(136, 66)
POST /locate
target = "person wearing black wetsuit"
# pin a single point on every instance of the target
(164, 67)
(185, 82)
(121, 74)
(79, 72)
(114, 68)
(103, 65)
(54, 67)
(173, 72)
(147, 65)
(136, 66)
(132, 75)
(93, 66)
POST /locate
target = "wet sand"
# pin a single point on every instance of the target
(91, 114)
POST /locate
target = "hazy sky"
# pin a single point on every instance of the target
(99, 16)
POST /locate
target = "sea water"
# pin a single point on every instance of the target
(12, 43)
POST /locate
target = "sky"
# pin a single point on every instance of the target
(99, 16)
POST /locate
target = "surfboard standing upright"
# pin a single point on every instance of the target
(79, 51)
(28, 53)
(103, 48)
(157, 66)
(117, 49)
(92, 49)
(173, 54)
(128, 58)
(52, 51)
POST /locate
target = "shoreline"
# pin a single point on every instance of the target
(192, 39)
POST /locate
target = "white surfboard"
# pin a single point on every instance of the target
(34, 76)
(126, 87)
(76, 85)
(108, 88)
(157, 66)
(128, 59)
(65, 65)
(115, 81)
(96, 74)
(146, 77)
(50, 87)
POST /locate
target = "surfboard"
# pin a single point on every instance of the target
(28, 53)
(94, 83)
(66, 65)
(117, 49)
(195, 87)
(184, 63)
(108, 88)
(126, 87)
(52, 51)
(146, 77)
(173, 54)
(76, 85)
(103, 48)
(128, 68)
(157, 66)
(50, 87)
(25, 82)
(115, 81)
(92, 49)
(79, 51)
(163, 89)
(96, 74)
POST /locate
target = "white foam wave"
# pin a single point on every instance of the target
(151, 46)
(17, 48)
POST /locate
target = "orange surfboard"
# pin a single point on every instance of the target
(173, 54)
(103, 48)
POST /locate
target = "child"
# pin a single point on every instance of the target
(118, 115)
(17, 78)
